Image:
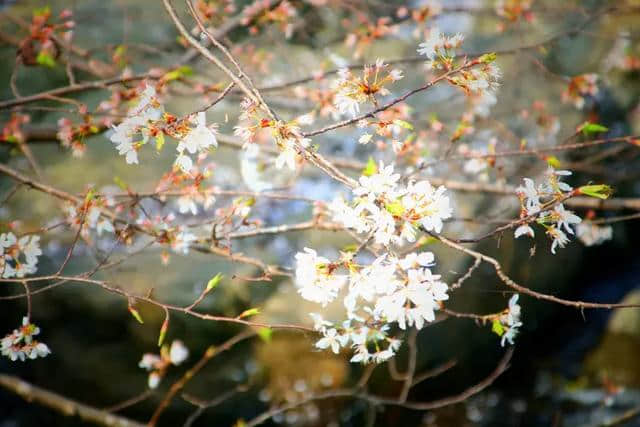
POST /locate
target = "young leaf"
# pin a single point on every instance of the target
(488, 58)
(589, 128)
(163, 331)
(213, 282)
(249, 312)
(600, 191)
(135, 314)
(497, 328)
(371, 168)
(349, 248)
(265, 334)
(45, 59)
(554, 162)
(395, 208)
(403, 124)
(159, 141)
(120, 183)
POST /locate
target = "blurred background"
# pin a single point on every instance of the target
(570, 367)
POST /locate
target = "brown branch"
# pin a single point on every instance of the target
(390, 103)
(97, 84)
(315, 158)
(411, 365)
(466, 275)
(277, 229)
(432, 373)
(419, 406)
(64, 405)
(532, 151)
(230, 25)
(210, 353)
(524, 290)
(140, 397)
(269, 270)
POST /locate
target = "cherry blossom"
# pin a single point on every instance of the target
(21, 345)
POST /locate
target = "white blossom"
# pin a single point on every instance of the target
(431, 205)
(524, 230)
(149, 361)
(531, 196)
(511, 321)
(559, 238)
(178, 352)
(199, 138)
(591, 234)
(565, 218)
(315, 278)
(20, 344)
(332, 339)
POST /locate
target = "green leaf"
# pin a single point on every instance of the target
(215, 280)
(371, 168)
(350, 248)
(265, 334)
(589, 128)
(403, 124)
(487, 58)
(135, 314)
(45, 59)
(425, 241)
(120, 183)
(185, 70)
(554, 162)
(41, 11)
(395, 208)
(90, 195)
(163, 331)
(120, 50)
(600, 191)
(497, 328)
(178, 73)
(159, 141)
(249, 312)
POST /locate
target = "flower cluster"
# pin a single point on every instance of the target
(147, 110)
(392, 212)
(591, 234)
(513, 10)
(180, 239)
(197, 139)
(480, 81)
(42, 45)
(506, 325)
(157, 365)
(88, 215)
(12, 131)
(537, 200)
(440, 49)
(18, 257)
(256, 16)
(74, 135)
(351, 91)
(367, 32)
(147, 119)
(579, 87)
(21, 345)
(389, 290)
(287, 136)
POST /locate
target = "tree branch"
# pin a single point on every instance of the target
(64, 405)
